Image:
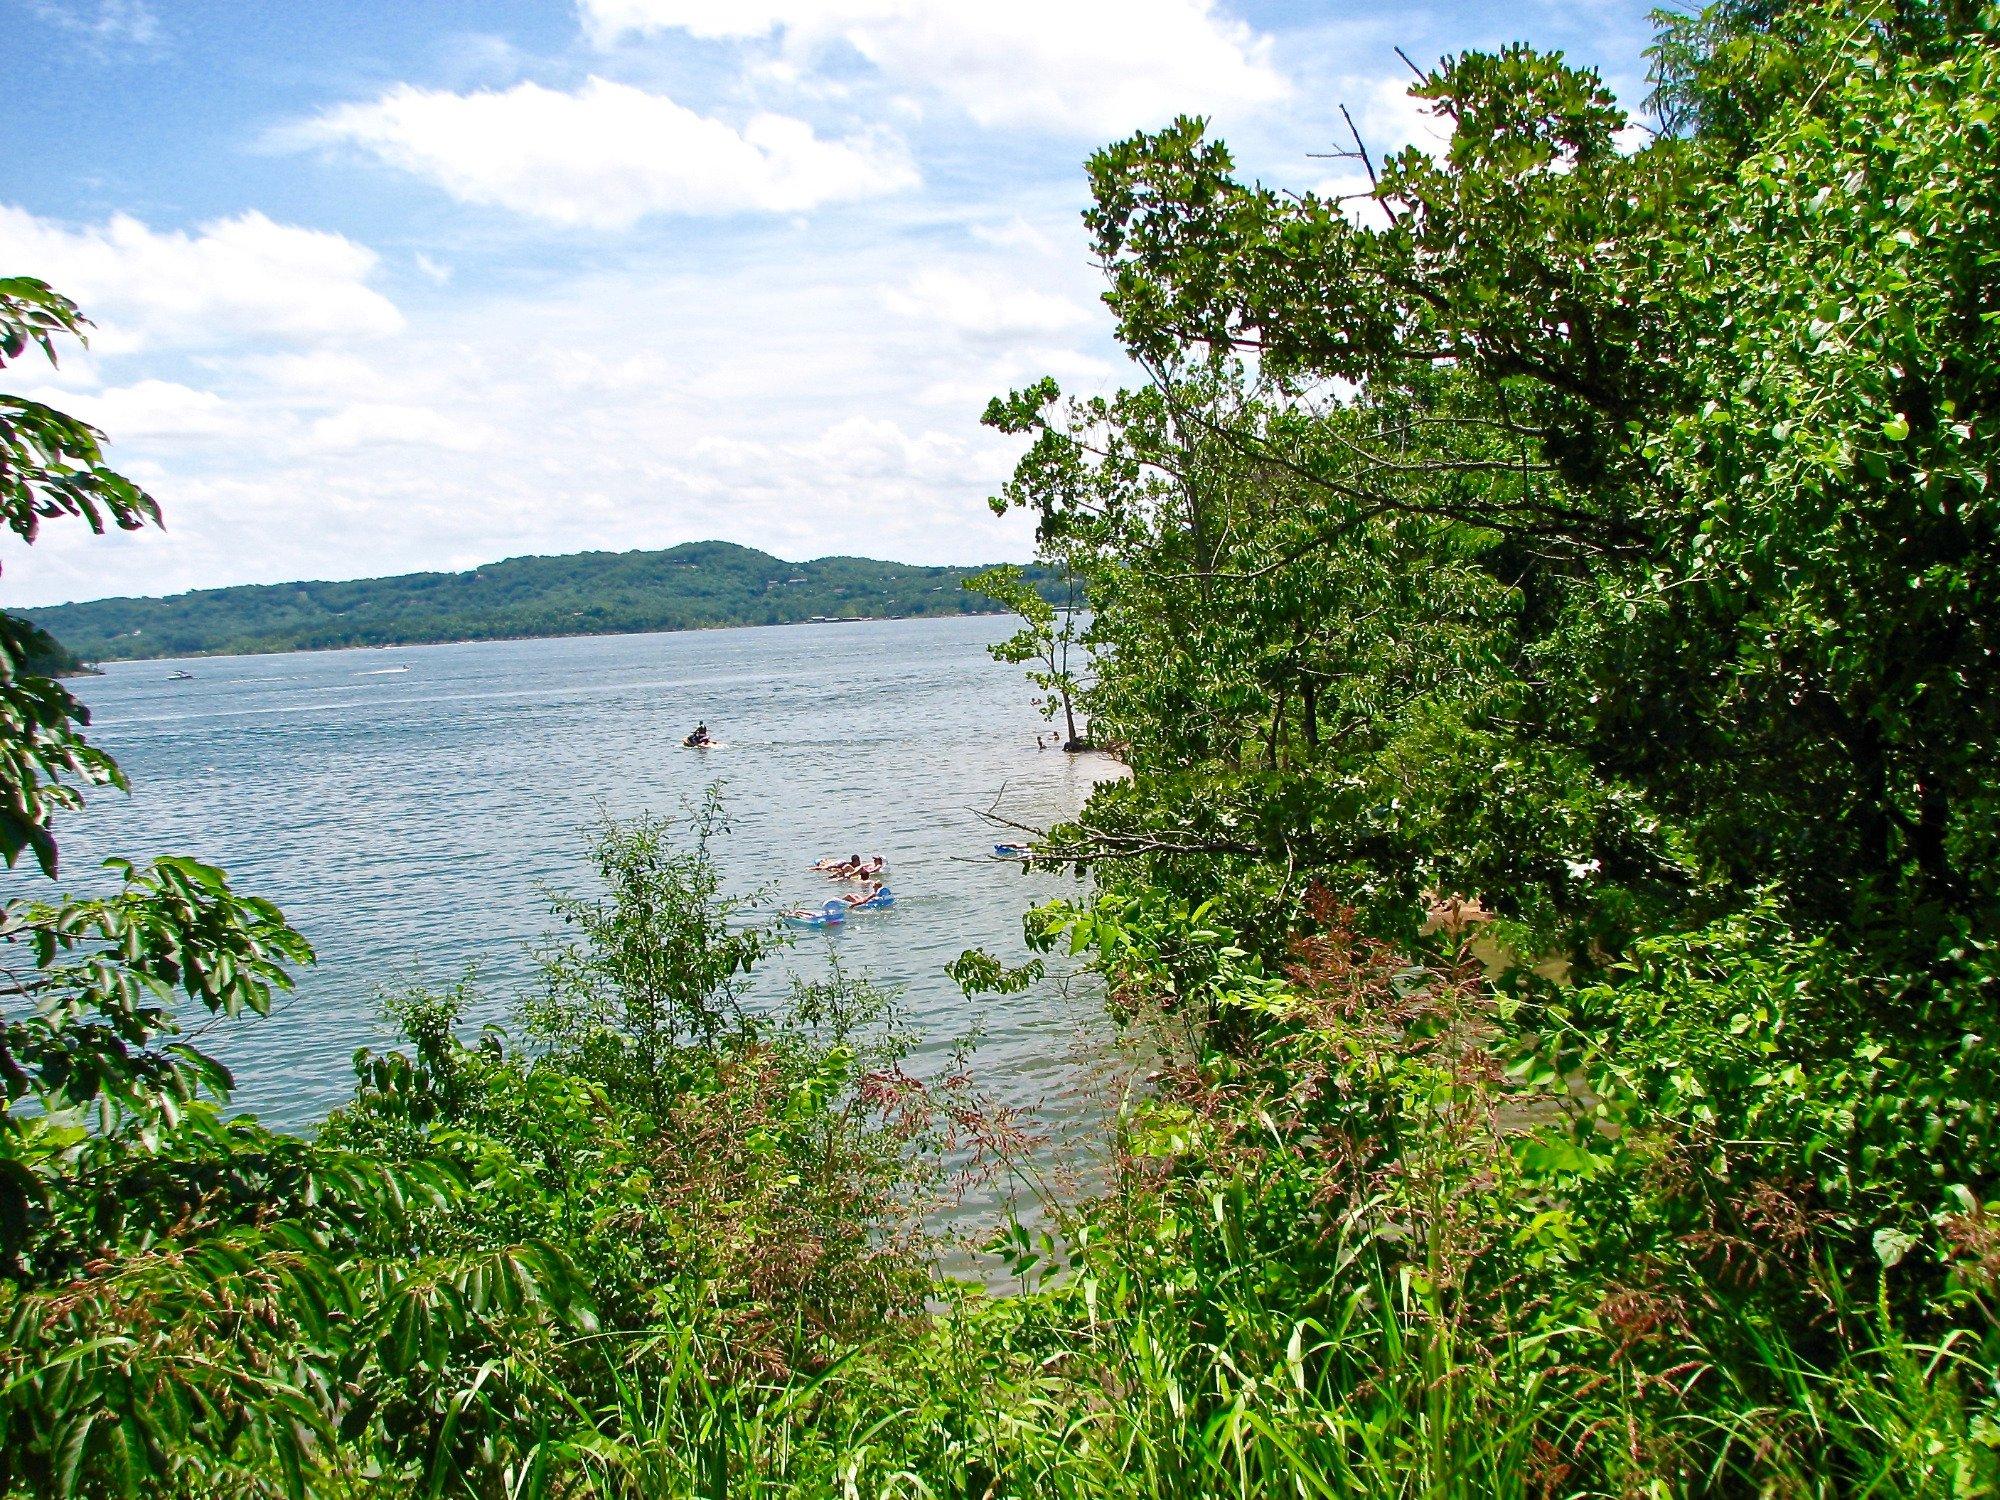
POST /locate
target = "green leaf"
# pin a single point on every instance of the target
(1891, 1245)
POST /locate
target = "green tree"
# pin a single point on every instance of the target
(51, 467)
(1605, 535)
(1050, 637)
(659, 962)
(88, 1029)
(1729, 635)
(181, 1295)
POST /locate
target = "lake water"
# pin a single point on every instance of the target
(408, 807)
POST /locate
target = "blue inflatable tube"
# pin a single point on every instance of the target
(830, 915)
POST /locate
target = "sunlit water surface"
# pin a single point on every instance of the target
(409, 807)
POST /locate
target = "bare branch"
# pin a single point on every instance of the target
(1368, 164)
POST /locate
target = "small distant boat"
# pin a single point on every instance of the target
(180, 677)
(381, 671)
(691, 743)
(830, 915)
(1012, 851)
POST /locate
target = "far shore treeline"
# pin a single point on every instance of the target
(697, 586)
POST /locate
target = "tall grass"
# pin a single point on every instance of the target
(1081, 1389)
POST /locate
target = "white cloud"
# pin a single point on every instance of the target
(768, 399)
(608, 154)
(1635, 137)
(1015, 234)
(231, 278)
(1390, 117)
(856, 451)
(1353, 192)
(108, 23)
(322, 375)
(146, 409)
(382, 424)
(860, 448)
(1098, 67)
(964, 393)
(983, 305)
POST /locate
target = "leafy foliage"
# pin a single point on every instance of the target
(54, 464)
(1049, 637)
(1730, 497)
(1594, 546)
(660, 962)
(50, 467)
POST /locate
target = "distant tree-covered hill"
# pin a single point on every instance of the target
(591, 593)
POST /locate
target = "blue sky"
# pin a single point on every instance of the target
(384, 287)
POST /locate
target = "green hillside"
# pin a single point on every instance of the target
(591, 593)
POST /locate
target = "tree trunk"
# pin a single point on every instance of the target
(1941, 883)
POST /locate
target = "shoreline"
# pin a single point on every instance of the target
(94, 668)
